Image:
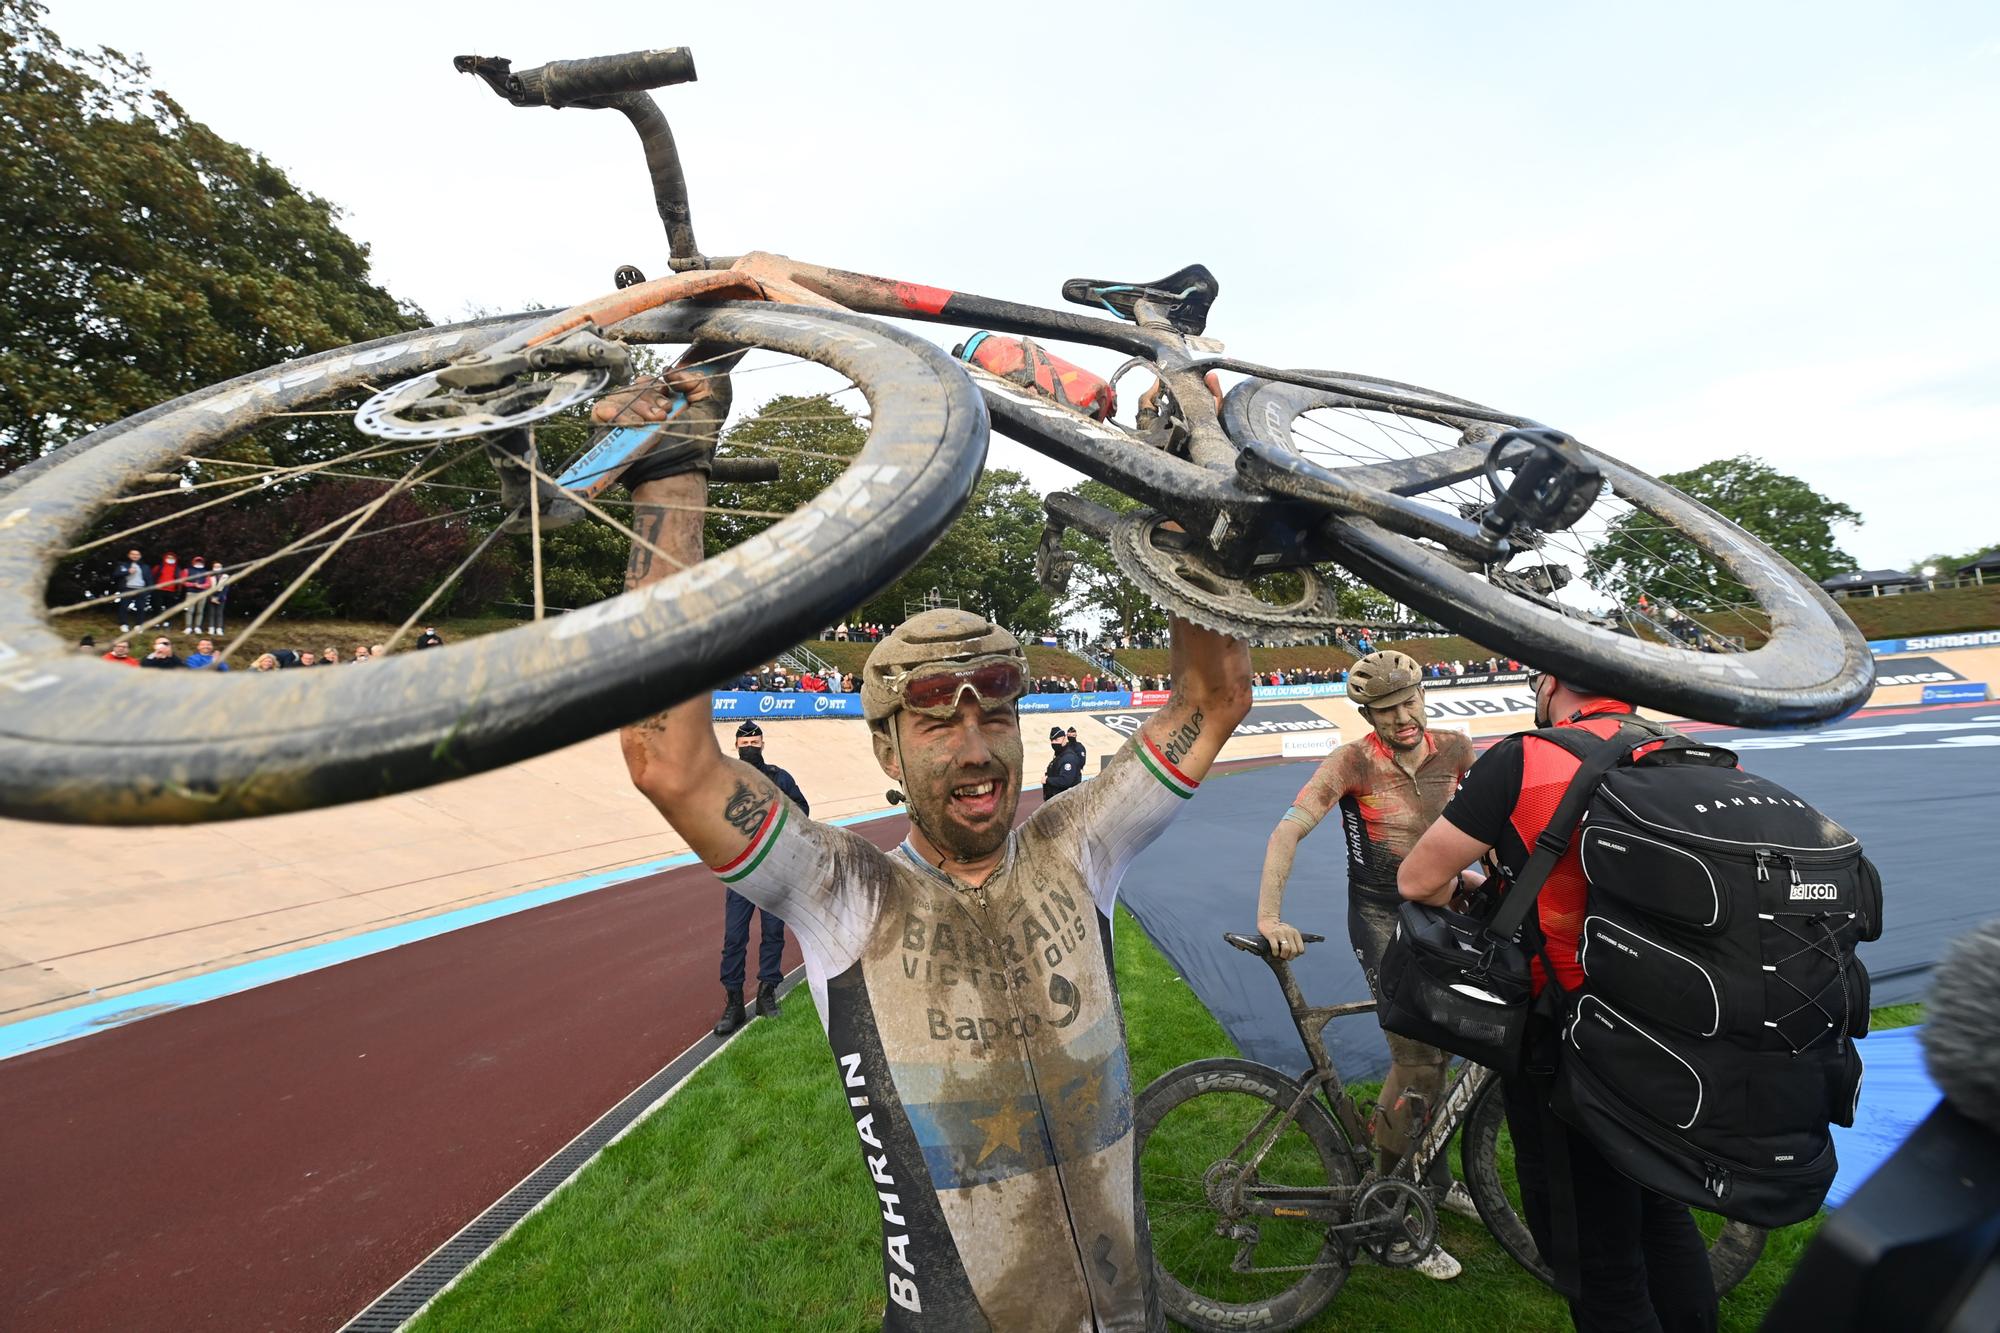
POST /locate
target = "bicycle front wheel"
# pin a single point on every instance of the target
(1223, 1259)
(277, 453)
(1645, 595)
(1486, 1159)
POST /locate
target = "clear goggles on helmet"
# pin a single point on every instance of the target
(934, 689)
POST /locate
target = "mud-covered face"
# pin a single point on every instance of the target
(962, 775)
(1399, 726)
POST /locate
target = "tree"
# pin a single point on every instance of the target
(141, 254)
(1947, 565)
(1638, 557)
(985, 560)
(1099, 586)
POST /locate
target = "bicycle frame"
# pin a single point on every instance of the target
(1311, 1021)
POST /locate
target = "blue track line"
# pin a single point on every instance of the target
(33, 1034)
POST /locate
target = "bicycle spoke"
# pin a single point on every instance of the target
(368, 511)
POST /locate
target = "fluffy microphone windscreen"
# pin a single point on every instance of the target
(1961, 1033)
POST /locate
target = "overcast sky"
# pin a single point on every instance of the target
(1678, 232)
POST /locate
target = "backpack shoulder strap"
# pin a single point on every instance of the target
(1600, 756)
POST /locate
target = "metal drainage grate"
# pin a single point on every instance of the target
(402, 1302)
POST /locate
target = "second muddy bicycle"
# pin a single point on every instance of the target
(1261, 1189)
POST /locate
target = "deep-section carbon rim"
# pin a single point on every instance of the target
(1815, 665)
(85, 743)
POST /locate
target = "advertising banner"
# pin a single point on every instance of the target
(1965, 692)
(1308, 747)
(1464, 705)
(1150, 698)
(1074, 703)
(738, 704)
(1264, 720)
(1930, 643)
(1282, 719)
(1334, 690)
(1474, 678)
(1915, 671)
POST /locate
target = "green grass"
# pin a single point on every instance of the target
(739, 1205)
(1913, 615)
(281, 632)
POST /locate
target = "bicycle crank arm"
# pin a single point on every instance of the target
(1086, 516)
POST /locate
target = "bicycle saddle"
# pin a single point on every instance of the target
(1187, 295)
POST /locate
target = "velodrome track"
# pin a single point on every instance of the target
(279, 1156)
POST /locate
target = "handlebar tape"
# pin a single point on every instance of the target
(740, 469)
(566, 82)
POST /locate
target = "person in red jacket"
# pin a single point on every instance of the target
(1641, 1262)
(167, 581)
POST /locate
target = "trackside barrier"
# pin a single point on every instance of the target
(1979, 638)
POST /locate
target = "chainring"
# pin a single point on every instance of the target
(1185, 585)
(1404, 1213)
(424, 409)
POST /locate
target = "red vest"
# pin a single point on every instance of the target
(1546, 771)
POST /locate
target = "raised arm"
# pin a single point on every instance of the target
(1322, 790)
(717, 803)
(1211, 674)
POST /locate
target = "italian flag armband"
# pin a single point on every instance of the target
(1175, 781)
(747, 860)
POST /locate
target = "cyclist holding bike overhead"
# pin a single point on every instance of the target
(1389, 785)
(964, 980)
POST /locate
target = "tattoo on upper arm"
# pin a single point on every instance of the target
(648, 521)
(745, 809)
(1183, 739)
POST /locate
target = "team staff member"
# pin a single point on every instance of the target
(737, 909)
(1066, 768)
(965, 978)
(1389, 786)
(1642, 1264)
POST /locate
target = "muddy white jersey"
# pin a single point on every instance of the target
(981, 1049)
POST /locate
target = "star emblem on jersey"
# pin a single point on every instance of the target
(1002, 1129)
(1089, 1094)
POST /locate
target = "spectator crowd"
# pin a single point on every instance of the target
(773, 679)
(148, 591)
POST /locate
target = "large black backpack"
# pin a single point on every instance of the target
(1712, 1041)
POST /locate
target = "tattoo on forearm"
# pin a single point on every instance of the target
(1183, 739)
(648, 521)
(745, 810)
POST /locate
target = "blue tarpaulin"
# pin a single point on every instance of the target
(1896, 1093)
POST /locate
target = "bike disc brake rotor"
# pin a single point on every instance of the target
(1184, 584)
(423, 409)
(1403, 1213)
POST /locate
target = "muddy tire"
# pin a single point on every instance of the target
(81, 742)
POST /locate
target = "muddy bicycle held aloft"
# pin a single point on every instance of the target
(475, 436)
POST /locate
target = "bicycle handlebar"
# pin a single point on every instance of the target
(571, 82)
(1260, 946)
(614, 83)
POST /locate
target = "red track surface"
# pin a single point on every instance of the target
(278, 1158)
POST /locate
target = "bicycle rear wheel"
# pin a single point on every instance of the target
(80, 741)
(1647, 595)
(1486, 1158)
(1192, 1127)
